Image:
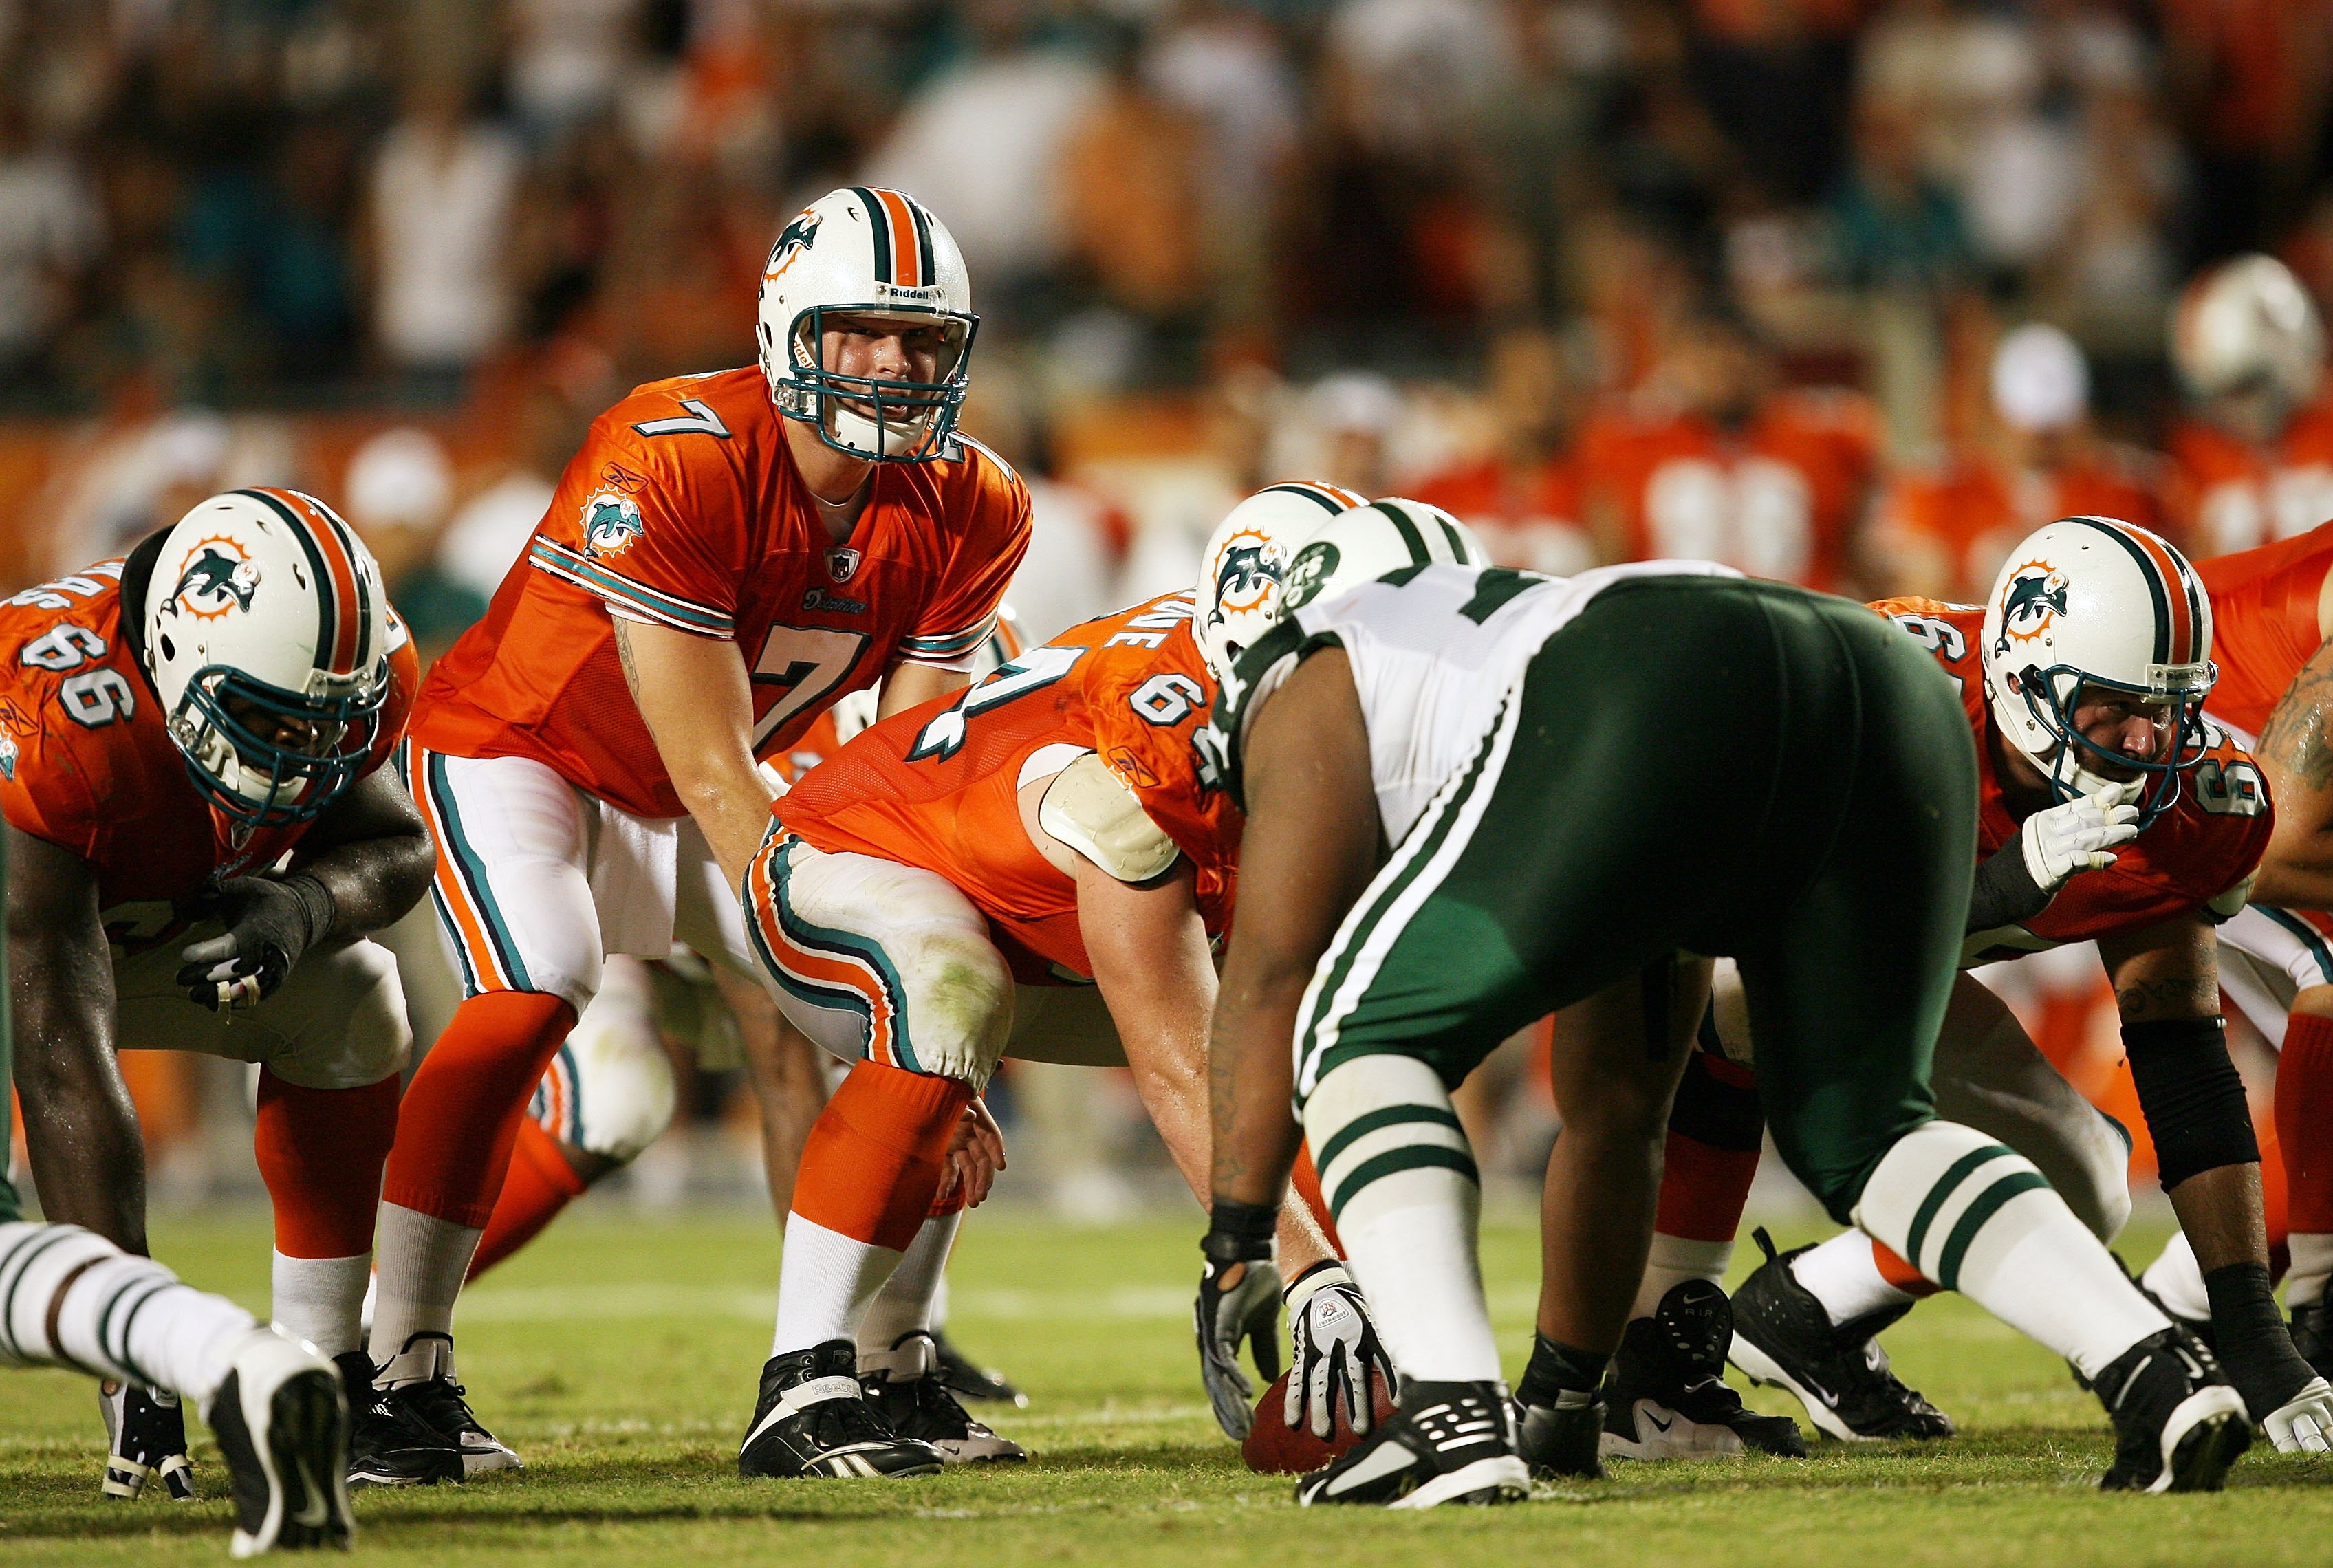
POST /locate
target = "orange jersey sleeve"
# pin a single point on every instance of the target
(938, 786)
(989, 547)
(2265, 623)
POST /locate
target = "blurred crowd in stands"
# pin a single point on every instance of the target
(1849, 292)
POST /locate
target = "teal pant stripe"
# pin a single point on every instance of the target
(1384, 1116)
(1972, 1219)
(1940, 1194)
(848, 945)
(473, 872)
(1415, 1157)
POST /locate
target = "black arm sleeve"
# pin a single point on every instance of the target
(2005, 892)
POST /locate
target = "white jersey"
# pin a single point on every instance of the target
(1436, 652)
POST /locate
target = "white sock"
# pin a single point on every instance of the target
(904, 1305)
(2312, 1267)
(422, 1260)
(121, 1316)
(1974, 1217)
(936, 1319)
(825, 1281)
(321, 1299)
(2178, 1281)
(1408, 1232)
(1843, 1274)
(1675, 1259)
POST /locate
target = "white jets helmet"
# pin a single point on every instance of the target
(1372, 540)
(1246, 557)
(267, 640)
(862, 252)
(2093, 602)
(2249, 325)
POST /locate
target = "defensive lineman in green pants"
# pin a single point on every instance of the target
(71, 1298)
(1476, 796)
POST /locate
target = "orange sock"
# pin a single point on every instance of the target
(1306, 1180)
(321, 1151)
(870, 1168)
(1715, 1132)
(540, 1183)
(463, 1109)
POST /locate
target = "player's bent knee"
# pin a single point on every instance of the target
(615, 1085)
(1384, 1135)
(343, 1019)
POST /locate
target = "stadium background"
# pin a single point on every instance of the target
(1491, 252)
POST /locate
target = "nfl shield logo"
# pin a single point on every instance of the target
(841, 563)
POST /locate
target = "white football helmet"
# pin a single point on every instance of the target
(860, 253)
(2094, 602)
(267, 636)
(1372, 540)
(2249, 325)
(1241, 569)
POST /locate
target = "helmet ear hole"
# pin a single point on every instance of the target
(170, 648)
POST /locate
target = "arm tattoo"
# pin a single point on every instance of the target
(2172, 996)
(624, 655)
(2299, 737)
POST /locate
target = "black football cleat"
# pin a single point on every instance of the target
(968, 1380)
(391, 1443)
(282, 1422)
(2312, 1336)
(1783, 1338)
(1667, 1397)
(813, 1417)
(904, 1386)
(1561, 1441)
(146, 1438)
(2178, 1426)
(1452, 1442)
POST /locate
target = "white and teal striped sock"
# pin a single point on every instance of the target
(73, 1299)
(1401, 1182)
(1975, 1217)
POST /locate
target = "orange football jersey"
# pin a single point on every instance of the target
(684, 509)
(2206, 845)
(86, 764)
(2263, 623)
(1783, 499)
(938, 786)
(1531, 522)
(1973, 512)
(2232, 496)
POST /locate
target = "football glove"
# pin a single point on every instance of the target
(146, 1432)
(2304, 1423)
(2077, 836)
(1239, 1299)
(1335, 1347)
(270, 921)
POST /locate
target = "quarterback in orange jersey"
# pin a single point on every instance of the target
(2253, 463)
(726, 556)
(1943, 532)
(1708, 462)
(172, 727)
(1052, 824)
(2273, 610)
(2110, 810)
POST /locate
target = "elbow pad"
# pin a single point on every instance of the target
(1088, 807)
(2193, 1097)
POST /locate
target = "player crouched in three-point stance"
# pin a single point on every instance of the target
(726, 556)
(1475, 797)
(1051, 824)
(172, 726)
(2109, 811)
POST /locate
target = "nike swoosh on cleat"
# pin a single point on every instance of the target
(1658, 1422)
(316, 1514)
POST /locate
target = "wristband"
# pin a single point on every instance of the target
(1239, 1232)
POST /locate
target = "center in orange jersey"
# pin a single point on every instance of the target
(938, 786)
(87, 764)
(2208, 844)
(684, 509)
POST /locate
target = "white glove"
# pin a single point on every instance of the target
(2304, 1424)
(2077, 836)
(1336, 1350)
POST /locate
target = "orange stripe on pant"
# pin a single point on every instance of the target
(819, 967)
(469, 925)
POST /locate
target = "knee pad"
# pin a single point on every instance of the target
(609, 1091)
(1382, 1125)
(1935, 1191)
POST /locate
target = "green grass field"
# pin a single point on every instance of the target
(620, 1357)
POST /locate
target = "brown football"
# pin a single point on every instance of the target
(1276, 1450)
